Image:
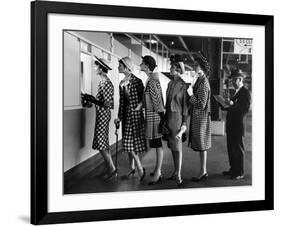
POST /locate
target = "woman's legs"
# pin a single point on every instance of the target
(108, 160)
(174, 161)
(158, 165)
(178, 164)
(136, 158)
(203, 167)
(203, 162)
(131, 162)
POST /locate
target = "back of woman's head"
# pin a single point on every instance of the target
(202, 62)
(150, 62)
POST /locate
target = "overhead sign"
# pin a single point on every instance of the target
(243, 46)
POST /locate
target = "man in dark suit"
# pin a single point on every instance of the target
(238, 107)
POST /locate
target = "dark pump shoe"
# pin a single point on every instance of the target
(112, 175)
(130, 174)
(173, 177)
(201, 178)
(180, 183)
(156, 182)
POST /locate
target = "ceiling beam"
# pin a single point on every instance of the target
(162, 43)
(185, 47)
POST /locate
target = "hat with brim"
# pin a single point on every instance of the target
(102, 62)
(237, 74)
(127, 62)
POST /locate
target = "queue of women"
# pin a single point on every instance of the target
(147, 121)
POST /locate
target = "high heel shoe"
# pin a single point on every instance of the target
(156, 182)
(131, 173)
(180, 183)
(111, 175)
(173, 177)
(201, 178)
(143, 174)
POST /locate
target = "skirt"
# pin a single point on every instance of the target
(101, 141)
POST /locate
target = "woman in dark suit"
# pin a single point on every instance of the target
(104, 103)
(130, 114)
(200, 121)
(176, 117)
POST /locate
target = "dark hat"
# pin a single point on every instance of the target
(102, 62)
(149, 61)
(202, 61)
(236, 74)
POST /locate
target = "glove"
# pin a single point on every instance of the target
(92, 99)
(85, 103)
(117, 123)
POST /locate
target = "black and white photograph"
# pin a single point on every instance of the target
(147, 112)
(155, 111)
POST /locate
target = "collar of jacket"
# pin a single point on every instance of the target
(154, 75)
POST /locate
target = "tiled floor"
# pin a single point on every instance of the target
(217, 162)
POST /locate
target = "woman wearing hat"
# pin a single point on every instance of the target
(154, 113)
(130, 113)
(200, 121)
(176, 117)
(104, 104)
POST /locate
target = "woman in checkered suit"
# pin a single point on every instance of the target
(130, 113)
(200, 121)
(104, 104)
(154, 114)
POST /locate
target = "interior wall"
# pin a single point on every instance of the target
(79, 123)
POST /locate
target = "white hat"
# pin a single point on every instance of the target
(128, 63)
(102, 62)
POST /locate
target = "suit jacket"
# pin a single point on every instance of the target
(136, 90)
(177, 95)
(235, 119)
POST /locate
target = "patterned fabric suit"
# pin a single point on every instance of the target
(105, 94)
(200, 121)
(131, 95)
(153, 100)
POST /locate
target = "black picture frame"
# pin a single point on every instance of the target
(39, 112)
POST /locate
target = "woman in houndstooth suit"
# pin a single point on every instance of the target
(104, 104)
(154, 114)
(200, 121)
(130, 114)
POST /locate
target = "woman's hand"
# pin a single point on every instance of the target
(138, 108)
(190, 91)
(180, 133)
